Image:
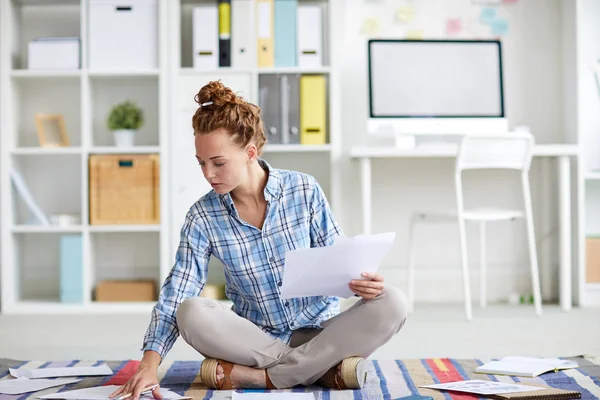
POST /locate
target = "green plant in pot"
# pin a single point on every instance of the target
(124, 119)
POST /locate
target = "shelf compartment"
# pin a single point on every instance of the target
(107, 92)
(121, 256)
(54, 183)
(47, 96)
(52, 273)
(40, 19)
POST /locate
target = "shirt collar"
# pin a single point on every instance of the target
(272, 188)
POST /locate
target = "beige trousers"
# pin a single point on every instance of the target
(215, 331)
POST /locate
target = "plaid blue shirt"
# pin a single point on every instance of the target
(298, 216)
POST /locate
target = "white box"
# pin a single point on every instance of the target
(53, 53)
(123, 35)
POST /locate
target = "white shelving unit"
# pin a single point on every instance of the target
(583, 99)
(58, 177)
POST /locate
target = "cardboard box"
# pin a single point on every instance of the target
(137, 291)
(592, 260)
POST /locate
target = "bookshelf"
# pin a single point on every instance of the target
(58, 178)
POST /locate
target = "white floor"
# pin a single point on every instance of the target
(429, 332)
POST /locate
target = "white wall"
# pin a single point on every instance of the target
(533, 73)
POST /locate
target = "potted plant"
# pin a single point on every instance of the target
(124, 120)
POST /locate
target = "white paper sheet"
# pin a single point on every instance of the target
(327, 271)
(273, 396)
(25, 385)
(102, 393)
(484, 387)
(524, 366)
(58, 372)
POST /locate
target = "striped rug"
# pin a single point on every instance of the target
(386, 379)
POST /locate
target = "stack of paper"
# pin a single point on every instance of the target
(33, 380)
(26, 385)
(102, 393)
(529, 367)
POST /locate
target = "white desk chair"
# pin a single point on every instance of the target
(511, 151)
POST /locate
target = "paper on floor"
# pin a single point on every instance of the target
(58, 372)
(327, 271)
(273, 396)
(102, 393)
(525, 366)
(484, 387)
(25, 385)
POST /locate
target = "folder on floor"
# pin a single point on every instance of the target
(270, 105)
(290, 104)
(224, 33)
(285, 33)
(243, 34)
(310, 36)
(205, 19)
(265, 33)
(313, 109)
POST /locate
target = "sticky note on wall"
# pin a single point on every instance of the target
(487, 15)
(369, 26)
(499, 26)
(404, 14)
(453, 26)
(415, 34)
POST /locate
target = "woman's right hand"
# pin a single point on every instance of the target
(145, 377)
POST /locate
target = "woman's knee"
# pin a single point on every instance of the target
(191, 313)
(394, 307)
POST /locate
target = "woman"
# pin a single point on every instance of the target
(253, 215)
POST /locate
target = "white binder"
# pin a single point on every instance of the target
(309, 38)
(243, 40)
(206, 36)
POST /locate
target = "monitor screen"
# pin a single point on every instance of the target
(435, 78)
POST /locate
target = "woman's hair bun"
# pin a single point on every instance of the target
(218, 94)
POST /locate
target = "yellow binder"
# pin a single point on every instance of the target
(265, 33)
(313, 109)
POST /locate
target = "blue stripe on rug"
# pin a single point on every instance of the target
(407, 378)
(382, 381)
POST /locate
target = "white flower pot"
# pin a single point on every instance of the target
(124, 137)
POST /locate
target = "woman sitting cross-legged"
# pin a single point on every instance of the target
(251, 217)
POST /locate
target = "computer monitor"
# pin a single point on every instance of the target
(435, 87)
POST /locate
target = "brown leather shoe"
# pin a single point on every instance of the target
(208, 375)
(352, 375)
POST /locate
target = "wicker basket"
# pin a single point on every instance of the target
(124, 189)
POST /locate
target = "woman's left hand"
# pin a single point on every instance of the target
(369, 287)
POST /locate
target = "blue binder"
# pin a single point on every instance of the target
(71, 269)
(285, 33)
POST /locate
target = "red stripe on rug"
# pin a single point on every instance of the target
(121, 377)
(445, 372)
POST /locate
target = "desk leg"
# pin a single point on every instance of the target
(365, 171)
(565, 232)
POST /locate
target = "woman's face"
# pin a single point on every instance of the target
(223, 162)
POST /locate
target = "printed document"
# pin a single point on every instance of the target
(327, 271)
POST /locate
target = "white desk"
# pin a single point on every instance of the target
(562, 152)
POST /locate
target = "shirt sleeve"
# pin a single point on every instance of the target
(186, 279)
(324, 229)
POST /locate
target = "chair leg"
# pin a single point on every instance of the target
(535, 275)
(465, 267)
(482, 265)
(411, 263)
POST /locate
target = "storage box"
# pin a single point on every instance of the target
(139, 290)
(123, 34)
(124, 189)
(53, 53)
(592, 260)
